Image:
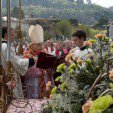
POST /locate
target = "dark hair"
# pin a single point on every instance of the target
(80, 34)
(4, 31)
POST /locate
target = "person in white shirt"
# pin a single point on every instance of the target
(20, 65)
(81, 51)
(49, 46)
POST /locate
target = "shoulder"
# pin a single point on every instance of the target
(53, 53)
(4, 46)
(73, 50)
(90, 50)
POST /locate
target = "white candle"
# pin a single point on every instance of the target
(0, 29)
(8, 30)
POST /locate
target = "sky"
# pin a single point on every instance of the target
(104, 3)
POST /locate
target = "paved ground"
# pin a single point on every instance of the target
(26, 106)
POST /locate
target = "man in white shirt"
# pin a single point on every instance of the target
(81, 51)
(20, 65)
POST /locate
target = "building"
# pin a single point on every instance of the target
(14, 23)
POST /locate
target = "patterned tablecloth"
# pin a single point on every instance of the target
(26, 106)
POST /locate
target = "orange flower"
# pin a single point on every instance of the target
(100, 36)
(86, 107)
(48, 85)
(48, 88)
(87, 43)
(68, 56)
(111, 75)
(51, 96)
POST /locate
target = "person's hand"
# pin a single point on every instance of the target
(11, 84)
(50, 71)
(35, 59)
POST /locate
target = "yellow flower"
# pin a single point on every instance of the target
(111, 45)
(92, 41)
(86, 107)
(111, 75)
(87, 43)
(100, 36)
(88, 61)
(79, 61)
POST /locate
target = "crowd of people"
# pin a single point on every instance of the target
(27, 74)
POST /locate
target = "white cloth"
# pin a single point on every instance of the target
(20, 65)
(82, 54)
(54, 53)
(49, 50)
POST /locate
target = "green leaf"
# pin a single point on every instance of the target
(101, 103)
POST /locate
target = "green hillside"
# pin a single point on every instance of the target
(65, 9)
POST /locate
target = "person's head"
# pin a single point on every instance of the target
(36, 47)
(49, 43)
(59, 45)
(79, 37)
(4, 33)
(68, 43)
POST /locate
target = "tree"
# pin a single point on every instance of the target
(15, 12)
(71, 0)
(80, 1)
(64, 28)
(88, 2)
(14, 2)
(73, 21)
(102, 22)
(47, 35)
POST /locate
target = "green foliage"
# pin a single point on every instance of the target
(84, 13)
(76, 80)
(47, 35)
(15, 12)
(64, 28)
(101, 104)
(73, 21)
(60, 68)
(102, 22)
(80, 1)
(90, 32)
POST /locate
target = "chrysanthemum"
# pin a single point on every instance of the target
(87, 43)
(87, 106)
(48, 85)
(111, 75)
(100, 36)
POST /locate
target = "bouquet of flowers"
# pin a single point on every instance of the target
(83, 81)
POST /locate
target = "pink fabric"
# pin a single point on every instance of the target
(33, 71)
(34, 106)
(65, 51)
